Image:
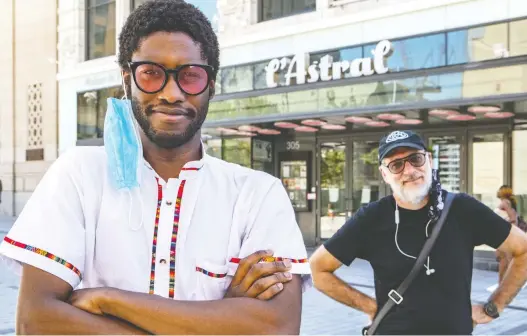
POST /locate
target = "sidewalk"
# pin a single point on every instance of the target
(5, 223)
(322, 315)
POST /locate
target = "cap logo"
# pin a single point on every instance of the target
(396, 135)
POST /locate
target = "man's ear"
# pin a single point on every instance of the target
(383, 173)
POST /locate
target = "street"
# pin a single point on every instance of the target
(320, 314)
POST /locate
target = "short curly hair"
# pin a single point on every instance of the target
(168, 16)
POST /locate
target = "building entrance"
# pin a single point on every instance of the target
(349, 177)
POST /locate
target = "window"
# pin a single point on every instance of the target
(236, 79)
(237, 151)
(100, 28)
(208, 7)
(91, 110)
(518, 38)
(274, 9)
(414, 53)
(345, 54)
(477, 44)
(137, 3)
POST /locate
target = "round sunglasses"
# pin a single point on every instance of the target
(415, 159)
(151, 77)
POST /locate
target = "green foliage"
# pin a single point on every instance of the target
(333, 167)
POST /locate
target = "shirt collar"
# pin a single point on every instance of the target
(190, 169)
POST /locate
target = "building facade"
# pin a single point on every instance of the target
(307, 87)
(28, 114)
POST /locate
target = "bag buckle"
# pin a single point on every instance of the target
(396, 297)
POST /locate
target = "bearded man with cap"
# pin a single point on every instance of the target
(390, 234)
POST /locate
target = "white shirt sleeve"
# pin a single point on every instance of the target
(274, 227)
(49, 232)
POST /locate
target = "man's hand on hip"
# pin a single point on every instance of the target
(259, 280)
(479, 316)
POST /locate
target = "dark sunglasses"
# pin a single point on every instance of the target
(415, 159)
(151, 77)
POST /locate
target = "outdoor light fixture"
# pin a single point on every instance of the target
(227, 131)
(390, 116)
(284, 124)
(483, 109)
(498, 115)
(313, 122)
(249, 134)
(461, 117)
(248, 128)
(442, 112)
(266, 131)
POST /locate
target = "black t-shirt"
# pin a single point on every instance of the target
(433, 304)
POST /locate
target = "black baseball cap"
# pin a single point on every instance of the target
(397, 139)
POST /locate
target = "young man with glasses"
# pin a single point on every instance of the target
(390, 234)
(149, 234)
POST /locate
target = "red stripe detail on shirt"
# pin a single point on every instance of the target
(154, 241)
(43, 253)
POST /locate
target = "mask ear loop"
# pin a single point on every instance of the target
(125, 97)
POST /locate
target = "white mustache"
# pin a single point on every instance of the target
(412, 178)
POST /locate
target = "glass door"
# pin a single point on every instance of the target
(367, 184)
(488, 166)
(448, 157)
(333, 190)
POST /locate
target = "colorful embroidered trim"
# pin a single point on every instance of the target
(43, 253)
(191, 168)
(154, 242)
(271, 259)
(213, 275)
(173, 242)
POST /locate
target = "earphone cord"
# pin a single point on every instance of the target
(397, 230)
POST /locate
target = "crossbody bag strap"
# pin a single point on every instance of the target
(396, 296)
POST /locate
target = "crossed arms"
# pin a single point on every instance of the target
(263, 298)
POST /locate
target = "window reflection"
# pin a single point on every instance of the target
(332, 187)
(518, 38)
(468, 84)
(239, 78)
(91, 110)
(477, 44)
(422, 52)
(259, 75)
(101, 36)
(237, 151)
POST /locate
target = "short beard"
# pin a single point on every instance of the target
(414, 196)
(168, 140)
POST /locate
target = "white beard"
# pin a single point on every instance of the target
(413, 195)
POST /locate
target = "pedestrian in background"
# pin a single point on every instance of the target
(508, 210)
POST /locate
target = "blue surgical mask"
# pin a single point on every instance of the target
(124, 151)
(123, 145)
